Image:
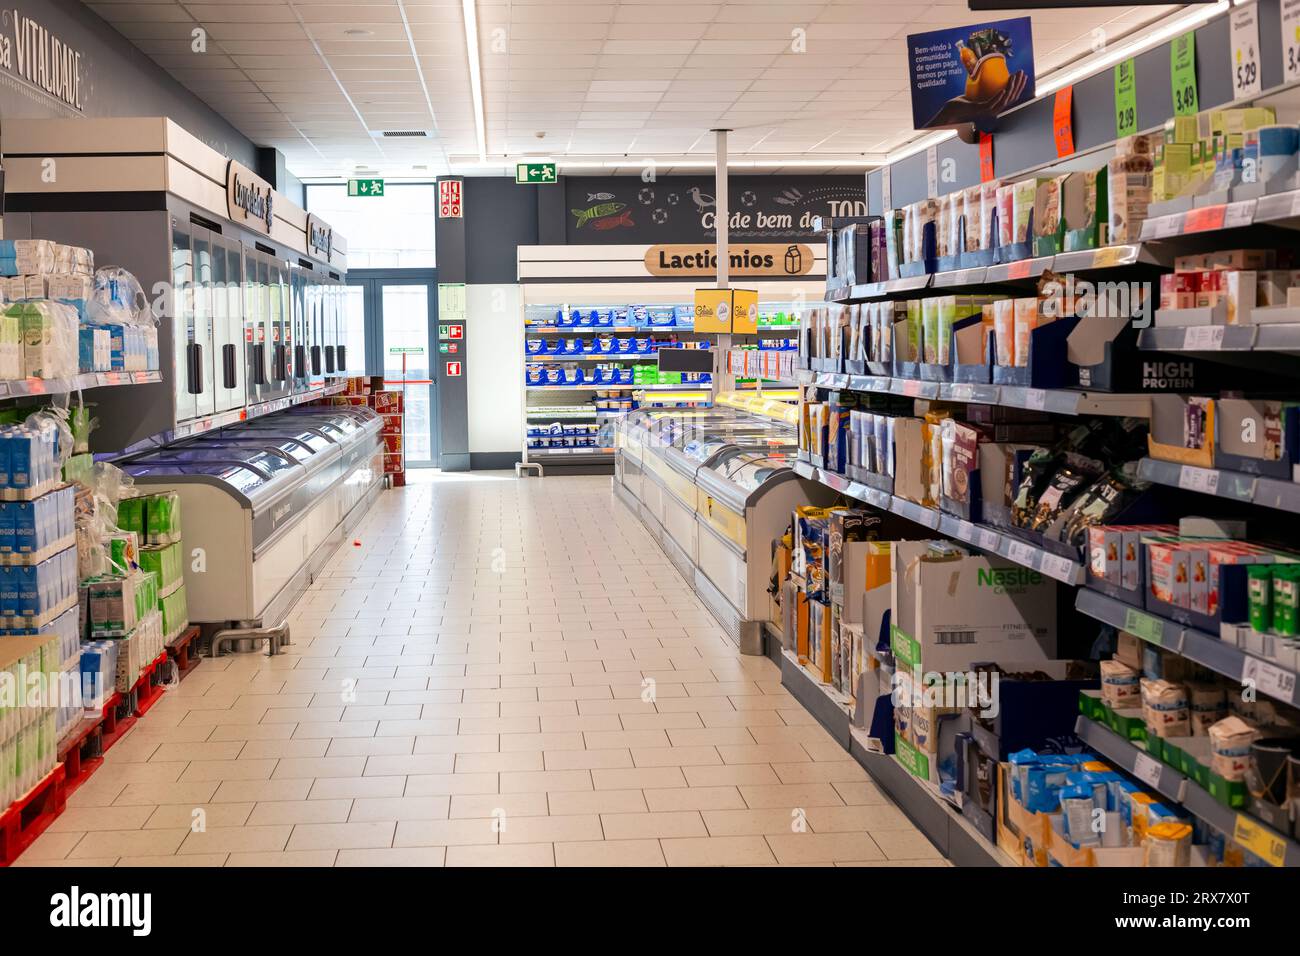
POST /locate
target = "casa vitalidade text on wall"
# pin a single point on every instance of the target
(36, 56)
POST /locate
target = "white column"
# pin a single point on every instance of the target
(720, 207)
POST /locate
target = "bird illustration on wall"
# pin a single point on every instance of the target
(702, 201)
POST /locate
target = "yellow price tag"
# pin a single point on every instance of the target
(1108, 256)
(1259, 840)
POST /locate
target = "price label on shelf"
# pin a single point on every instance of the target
(1126, 119)
(35, 386)
(1268, 678)
(965, 531)
(1019, 269)
(1239, 214)
(1166, 226)
(988, 540)
(1149, 628)
(1035, 399)
(1243, 48)
(1109, 256)
(1290, 40)
(1192, 478)
(1205, 219)
(1182, 75)
(1021, 553)
(1059, 567)
(1259, 840)
(911, 388)
(1147, 769)
(1204, 337)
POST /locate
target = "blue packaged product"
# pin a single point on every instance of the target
(552, 375)
(8, 592)
(604, 318)
(533, 375)
(7, 540)
(1096, 786)
(586, 319)
(28, 599)
(24, 525)
(623, 345)
(639, 314)
(1078, 809)
(86, 349)
(1043, 787)
(661, 317)
(535, 346)
(568, 320)
(20, 459)
(619, 315)
(684, 313)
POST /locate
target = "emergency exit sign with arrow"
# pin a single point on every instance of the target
(365, 187)
(535, 173)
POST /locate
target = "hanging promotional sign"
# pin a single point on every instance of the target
(1243, 47)
(776, 260)
(249, 198)
(970, 74)
(726, 310)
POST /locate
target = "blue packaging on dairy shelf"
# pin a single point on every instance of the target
(684, 313)
(661, 316)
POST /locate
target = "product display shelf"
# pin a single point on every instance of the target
(1275, 493)
(1247, 830)
(563, 412)
(938, 818)
(984, 538)
(1006, 273)
(1062, 401)
(86, 380)
(588, 357)
(1279, 209)
(1262, 338)
(1269, 678)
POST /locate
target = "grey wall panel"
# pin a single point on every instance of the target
(117, 80)
(500, 215)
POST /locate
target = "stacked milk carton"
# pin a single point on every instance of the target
(61, 317)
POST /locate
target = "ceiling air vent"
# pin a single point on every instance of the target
(404, 134)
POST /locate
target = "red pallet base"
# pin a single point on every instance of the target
(179, 650)
(29, 816)
(81, 753)
(145, 690)
(116, 724)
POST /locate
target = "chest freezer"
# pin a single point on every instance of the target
(264, 504)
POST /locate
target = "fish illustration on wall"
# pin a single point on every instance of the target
(584, 216)
(599, 197)
(613, 222)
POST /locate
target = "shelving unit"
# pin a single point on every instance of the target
(585, 442)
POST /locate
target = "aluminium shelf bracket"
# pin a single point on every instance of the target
(520, 466)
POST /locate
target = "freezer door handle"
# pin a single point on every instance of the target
(281, 362)
(329, 360)
(300, 360)
(194, 359)
(315, 359)
(343, 357)
(228, 364)
(259, 360)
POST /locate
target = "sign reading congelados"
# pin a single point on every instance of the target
(250, 199)
(39, 58)
(746, 261)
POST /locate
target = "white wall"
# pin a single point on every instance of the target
(495, 370)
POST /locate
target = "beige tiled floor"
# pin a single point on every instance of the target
(494, 673)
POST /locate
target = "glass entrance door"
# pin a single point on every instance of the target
(396, 311)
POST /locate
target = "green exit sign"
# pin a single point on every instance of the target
(365, 187)
(535, 173)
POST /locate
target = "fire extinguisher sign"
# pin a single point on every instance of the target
(450, 202)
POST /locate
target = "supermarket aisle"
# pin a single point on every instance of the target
(495, 672)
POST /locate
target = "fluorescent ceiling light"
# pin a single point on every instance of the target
(920, 145)
(1123, 50)
(475, 76)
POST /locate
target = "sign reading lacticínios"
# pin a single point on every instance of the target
(41, 59)
(249, 198)
(749, 260)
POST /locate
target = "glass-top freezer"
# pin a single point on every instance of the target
(245, 480)
(749, 468)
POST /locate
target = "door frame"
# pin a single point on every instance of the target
(372, 282)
